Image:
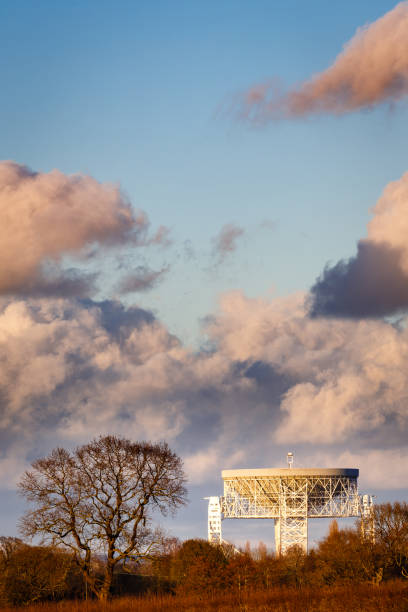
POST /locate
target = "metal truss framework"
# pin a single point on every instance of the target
(367, 518)
(290, 497)
(214, 520)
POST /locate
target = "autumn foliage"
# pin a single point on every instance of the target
(345, 572)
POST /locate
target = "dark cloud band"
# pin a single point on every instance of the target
(371, 284)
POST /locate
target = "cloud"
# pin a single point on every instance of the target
(84, 355)
(203, 464)
(13, 464)
(268, 224)
(142, 279)
(390, 217)
(226, 241)
(374, 283)
(344, 377)
(274, 378)
(379, 469)
(371, 69)
(53, 282)
(46, 216)
(161, 237)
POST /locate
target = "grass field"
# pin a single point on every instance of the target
(390, 597)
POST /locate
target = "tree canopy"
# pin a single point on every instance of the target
(99, 500)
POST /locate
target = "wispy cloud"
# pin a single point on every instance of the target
(142, 278)
(371, 69)
(226, 241)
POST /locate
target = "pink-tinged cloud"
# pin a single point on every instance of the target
(373, 283)
(161, 237)
(343, 377)
(226, 241)
(379, 468)
(142, 278)
(390, 218)
(45, 216)
(371, 69)
(73, 369)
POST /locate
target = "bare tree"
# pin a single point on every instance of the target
(99, 500)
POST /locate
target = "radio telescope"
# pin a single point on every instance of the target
(289, 496)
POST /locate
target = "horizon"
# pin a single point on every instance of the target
(203, 220)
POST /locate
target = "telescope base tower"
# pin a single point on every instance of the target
(290, 532)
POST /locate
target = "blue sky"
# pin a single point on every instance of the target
(129, 92)
(139, 94)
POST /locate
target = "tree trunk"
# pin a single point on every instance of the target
(105, 590)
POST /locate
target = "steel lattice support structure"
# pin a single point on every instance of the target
(289, 496)
(367, 518)
(214, 520)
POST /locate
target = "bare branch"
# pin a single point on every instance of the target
(99, 499)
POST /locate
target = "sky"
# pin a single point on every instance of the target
(203, 221)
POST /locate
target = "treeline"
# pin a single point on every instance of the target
(198, 567)
(35, 573)
(345, 557)
(372, 553)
